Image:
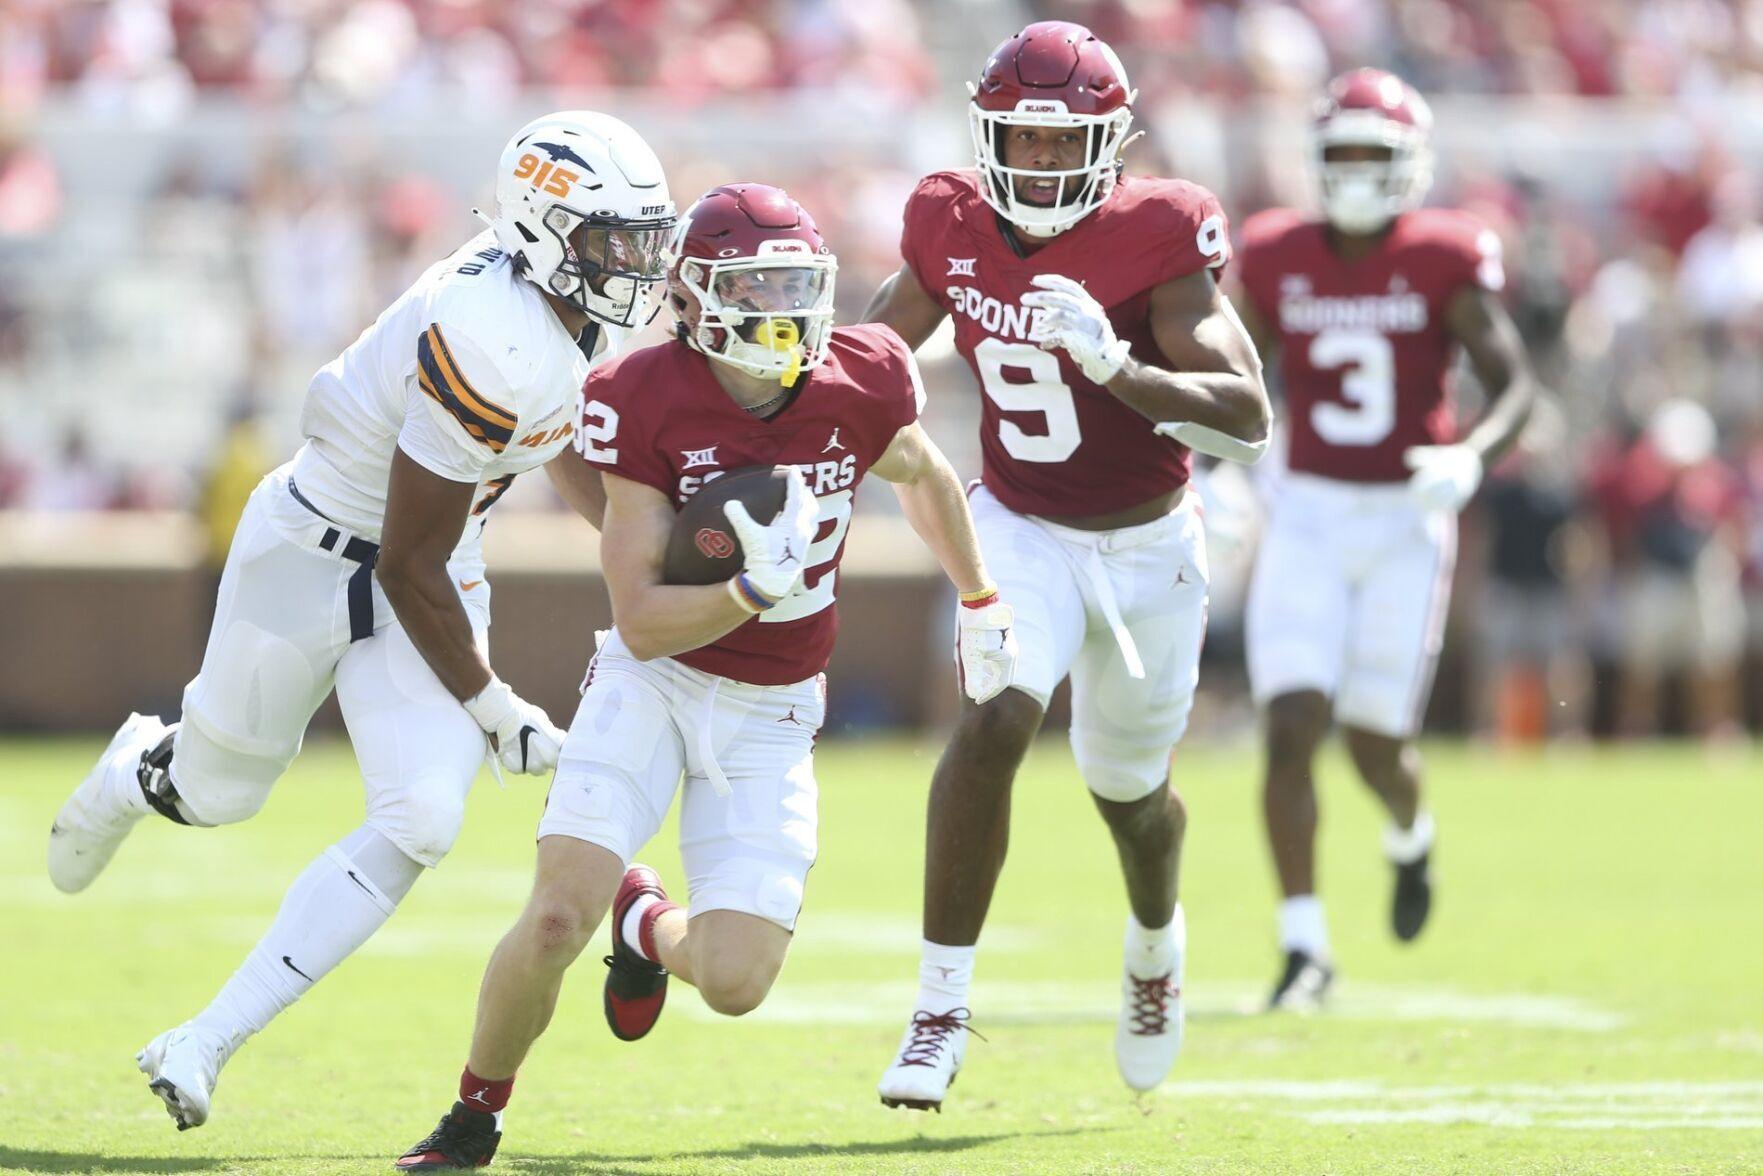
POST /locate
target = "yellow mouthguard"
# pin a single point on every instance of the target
(782, 336)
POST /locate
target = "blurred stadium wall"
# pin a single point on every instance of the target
(201, 201)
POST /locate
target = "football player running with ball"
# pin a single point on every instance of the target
(1368, 307)
(715, 692)
(358, 566)
(1086, 305)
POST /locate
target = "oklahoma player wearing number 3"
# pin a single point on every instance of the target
(715, 691)
(1346, 610)
(1086, 305)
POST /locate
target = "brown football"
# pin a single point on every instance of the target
(702, 548)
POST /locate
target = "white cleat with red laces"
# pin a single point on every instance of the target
(930, 1056)
(1148, 1036)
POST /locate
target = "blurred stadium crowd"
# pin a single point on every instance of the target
(1627, 532)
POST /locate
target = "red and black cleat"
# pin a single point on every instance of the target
(464, 1139)
(635, 987)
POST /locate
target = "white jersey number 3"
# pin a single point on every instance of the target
(1368, 385)
(1045, 393)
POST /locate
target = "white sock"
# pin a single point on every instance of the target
(331, 909)
(1403, 846)
(1153, 952)
(632, 927)
(1302, 926)
(944, 975)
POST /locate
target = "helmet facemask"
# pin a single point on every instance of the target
(610, 268)
(1364, 195)
(770, 316)
(1080, 191)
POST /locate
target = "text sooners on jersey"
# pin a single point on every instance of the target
(1365, 351)
(1053, 442)
(658, 416)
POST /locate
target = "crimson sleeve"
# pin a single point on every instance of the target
(615, 433)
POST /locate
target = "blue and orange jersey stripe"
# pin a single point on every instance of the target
(443, 382)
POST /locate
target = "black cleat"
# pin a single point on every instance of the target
(636, 988)
(1303, 985)
(1413, 898)
(464, 1139)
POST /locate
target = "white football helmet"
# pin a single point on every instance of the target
(583, 206)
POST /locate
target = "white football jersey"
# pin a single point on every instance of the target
(468, 372)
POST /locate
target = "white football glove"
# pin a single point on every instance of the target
(985, 646)
(525, 739)
(773, 555)
(1073, 320)
(1445, 476)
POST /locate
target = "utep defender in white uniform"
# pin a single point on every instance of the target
(412, 433)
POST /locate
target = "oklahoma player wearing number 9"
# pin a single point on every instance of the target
(1367, 308)
(1085, 304)
(718, 684)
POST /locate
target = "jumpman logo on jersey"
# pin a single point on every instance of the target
(788, 557)
(1181, 574)
(698, 457)
(833, 441)
(791, 718)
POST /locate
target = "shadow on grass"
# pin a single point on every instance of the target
(16, 1158)
(635, 1165)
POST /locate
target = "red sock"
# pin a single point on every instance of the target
(646, 928)
(480, 1094)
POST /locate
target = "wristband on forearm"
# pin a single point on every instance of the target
(980, 597)
(747, 596)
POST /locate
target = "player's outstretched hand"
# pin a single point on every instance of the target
(524, 737)
(1445, 477)
(1072, 319)
(774, 554)
(986, 648)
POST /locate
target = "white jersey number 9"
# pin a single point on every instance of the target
(1045, 393)
(1368, 385)
(805, 602)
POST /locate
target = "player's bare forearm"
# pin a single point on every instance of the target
(1490, 338)
(934, 502)
(425, 515)
(1233, 403)
(664, 620)
(1214, 376)
(656, 619)
(902, 303)
(578, 484)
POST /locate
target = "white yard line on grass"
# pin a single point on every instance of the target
(1064, 1002)
(1591, 1106)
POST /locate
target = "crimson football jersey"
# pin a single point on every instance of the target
(658, 416)
(1365, 353)
(1054, 443)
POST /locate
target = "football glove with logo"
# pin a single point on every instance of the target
(985, 647)
(774, 555)
(525, 739)
(1445, 477)
(1073, 320)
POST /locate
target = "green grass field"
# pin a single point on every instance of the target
(1586, 999)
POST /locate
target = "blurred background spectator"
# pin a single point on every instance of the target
(203, 196)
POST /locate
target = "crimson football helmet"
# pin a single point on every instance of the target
(1372, 108)
(1051, 74)
(752, 281)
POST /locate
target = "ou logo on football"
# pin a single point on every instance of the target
(713, 543)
